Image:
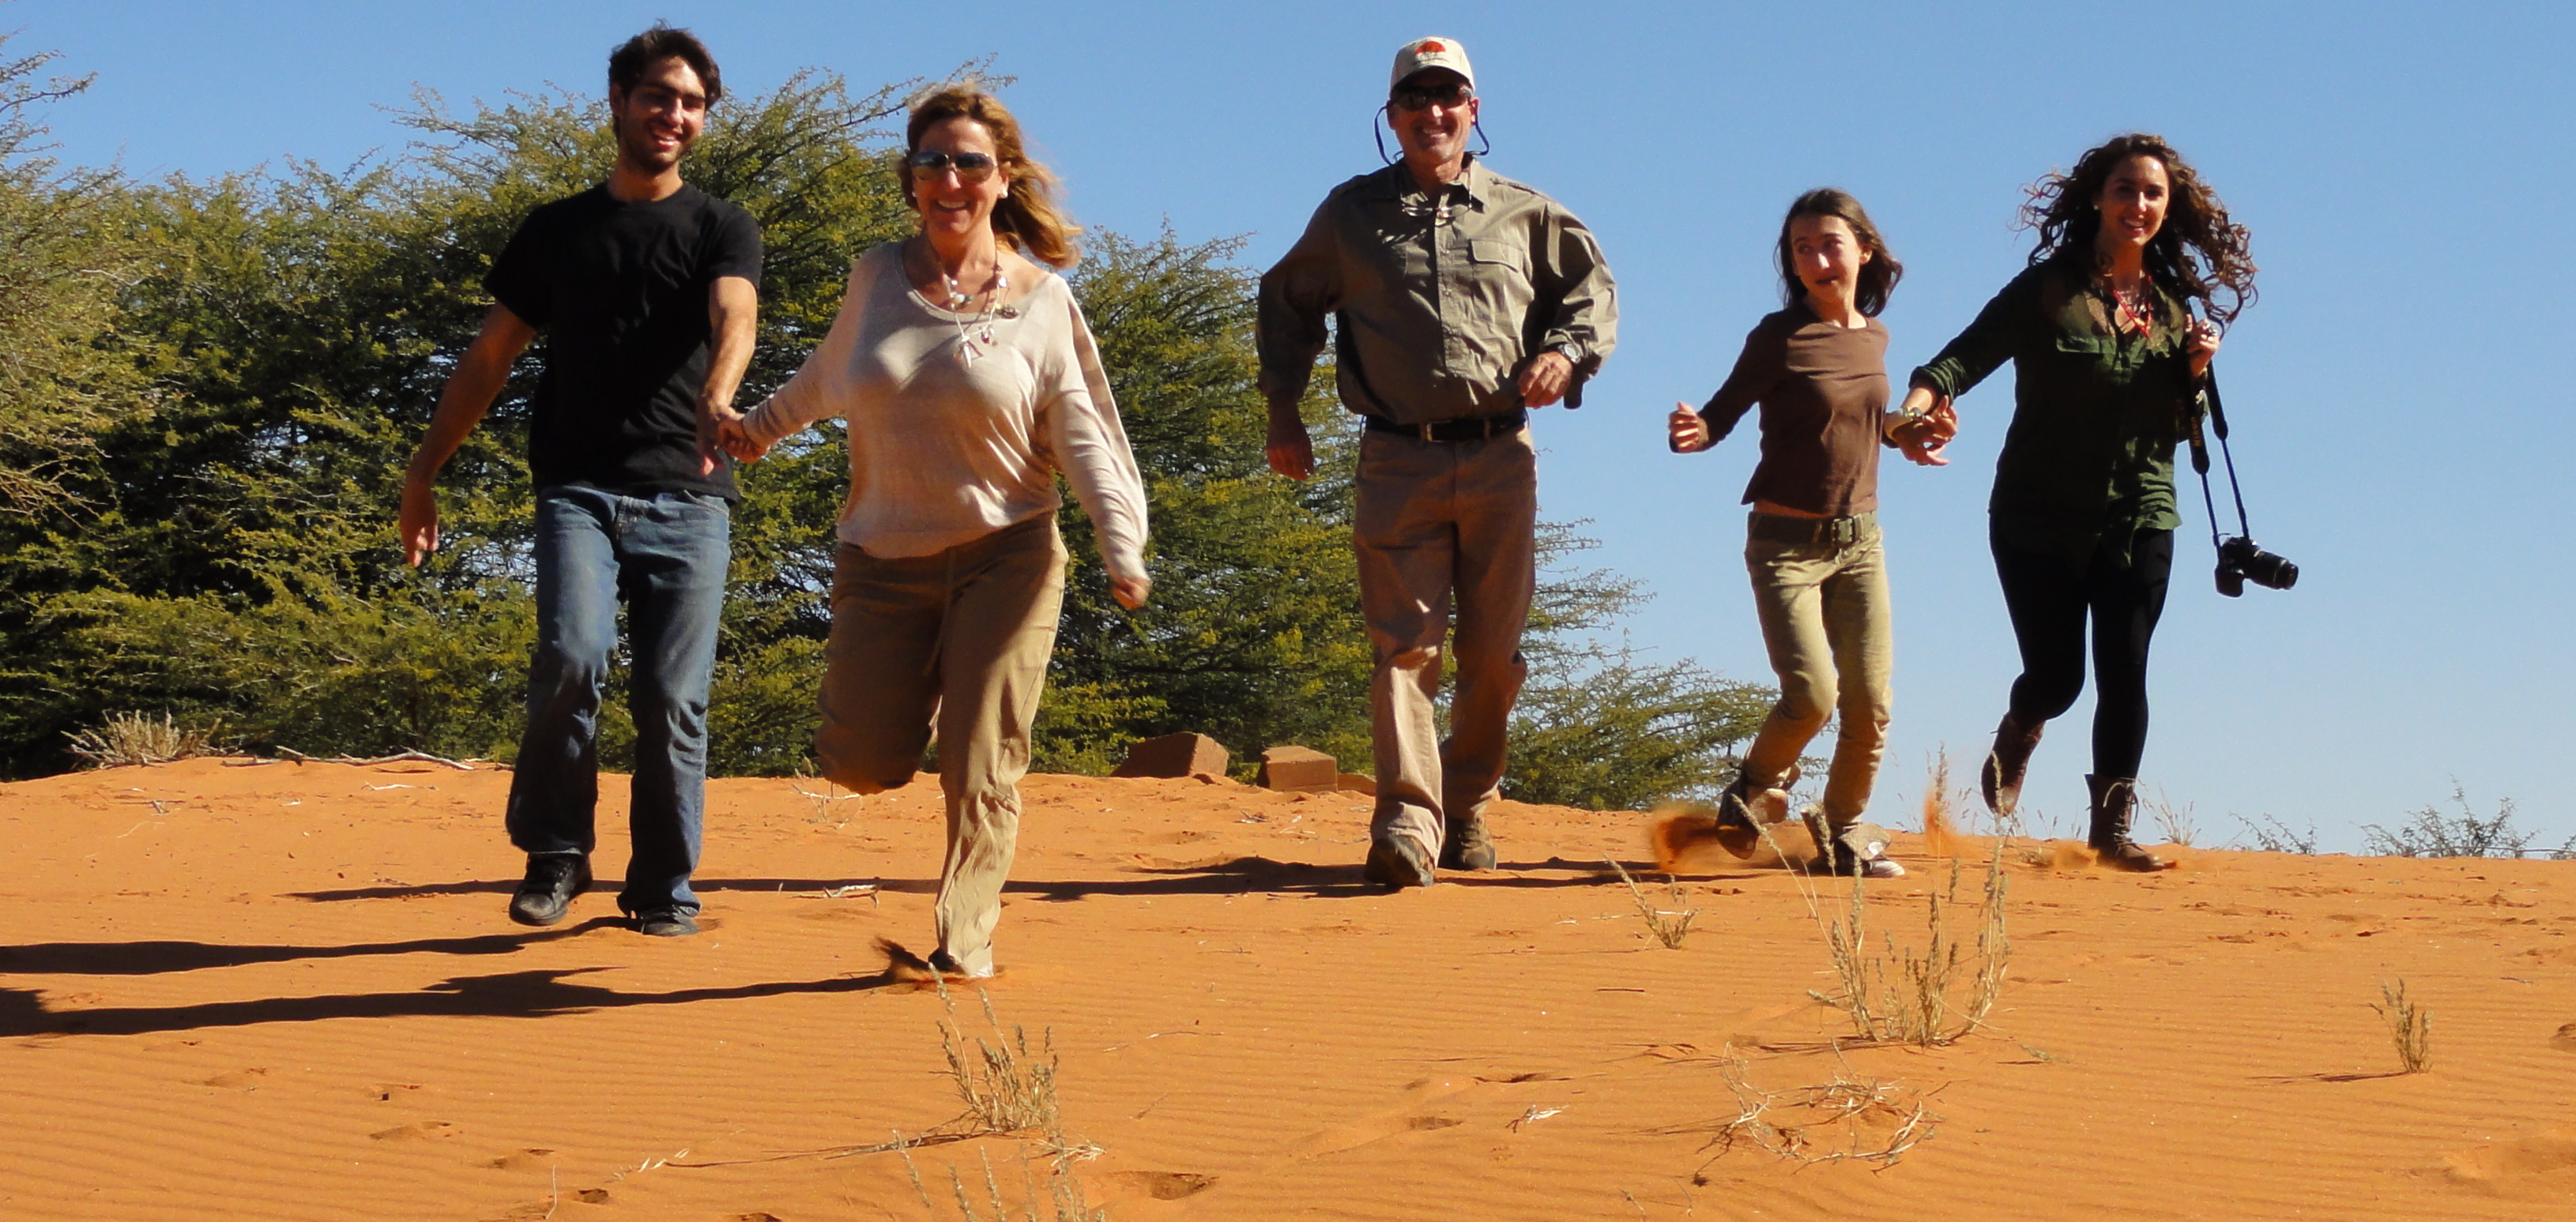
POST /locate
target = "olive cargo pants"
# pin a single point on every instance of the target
(1443, 525)
(1823, 607)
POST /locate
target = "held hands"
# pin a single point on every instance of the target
(1935, 423)
(734, 437)
(1544, 379)
(1685, 430)
(2199, 344)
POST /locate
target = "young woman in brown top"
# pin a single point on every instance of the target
(1819, 370)
(2107, 358)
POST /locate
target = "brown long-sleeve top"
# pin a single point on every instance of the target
(1438, 299)
(1822, 388)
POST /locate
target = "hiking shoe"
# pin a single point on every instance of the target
(1736, 832)
(1467, 847)
(1394, 861)
(666, 923)
(546, 893)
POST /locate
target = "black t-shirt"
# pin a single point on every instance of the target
(620, 290)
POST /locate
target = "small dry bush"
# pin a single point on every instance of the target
(1008, 1087)
(1061, 1192)
(132, 738)
(1934, 996)
(2175, 823)
(1849, 1118)
(2410, 1026)
(2273, 836)
(2431, 833)
(1669, 926)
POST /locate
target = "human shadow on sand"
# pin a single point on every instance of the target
(541, 993)
(1235, 876)
(154, 958)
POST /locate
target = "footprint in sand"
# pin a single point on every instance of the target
(418, 1130)
(1162, 1185)
(530, 1159)
(239, 1079)
(2565, 1040)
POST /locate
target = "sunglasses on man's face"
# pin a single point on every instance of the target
(971, 167)
(1419, 97)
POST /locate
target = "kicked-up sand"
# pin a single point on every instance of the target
(290, 991)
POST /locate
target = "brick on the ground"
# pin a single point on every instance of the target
(1352, 782)
(1175, 755)
(1299, 769)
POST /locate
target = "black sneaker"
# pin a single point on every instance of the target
(546, 893)
(665, 923)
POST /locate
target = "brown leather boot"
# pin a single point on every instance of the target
(2000, 779)
(2115, 802)
(1467, 846)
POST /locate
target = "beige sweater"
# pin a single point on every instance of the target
(942, 452)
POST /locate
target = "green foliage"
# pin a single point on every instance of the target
(1254, 635)
(1599, 725)
(58, 278)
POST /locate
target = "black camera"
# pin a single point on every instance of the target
(2241, 560)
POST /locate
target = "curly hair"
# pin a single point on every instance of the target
(2199, 253)
(1028, 217)
(1878, 277)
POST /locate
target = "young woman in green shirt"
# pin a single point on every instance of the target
(2107, 356)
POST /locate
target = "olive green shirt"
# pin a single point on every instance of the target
(2096, 412)
(1437, 301)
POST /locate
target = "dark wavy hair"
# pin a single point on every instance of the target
(2200, 253)
(1028, 217)
(1878, 277)
(627, 63)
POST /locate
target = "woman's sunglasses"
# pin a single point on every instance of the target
(970, 167)
(1420, 97)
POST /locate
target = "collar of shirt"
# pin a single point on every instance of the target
(1473, 185)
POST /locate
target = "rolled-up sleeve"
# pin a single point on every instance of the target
(1586, 319)
(1088, 443)
(1297, 295)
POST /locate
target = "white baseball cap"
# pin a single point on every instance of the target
(1424, 53)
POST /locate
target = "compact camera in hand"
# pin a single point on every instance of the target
(2241, 560)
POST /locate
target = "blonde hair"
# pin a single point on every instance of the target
(1027, 218)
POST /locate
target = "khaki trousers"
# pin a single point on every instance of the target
(1825, 619)
(962, 636)
(1443, 523)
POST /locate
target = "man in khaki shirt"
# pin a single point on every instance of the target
(1459, 300)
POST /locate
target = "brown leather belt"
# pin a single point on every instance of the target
(1811, 532)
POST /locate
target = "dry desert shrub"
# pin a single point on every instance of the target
(1931, 997)
(2410, 1026)
(2431, 833)
(2174, 822)
(1008, 1087)
(2273, 836)
(1062, 1191)
(1669, 926)
(132, 738)
(1848, 1118)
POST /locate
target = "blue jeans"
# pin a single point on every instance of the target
(665, 555)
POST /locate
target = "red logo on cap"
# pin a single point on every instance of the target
(1429, 46)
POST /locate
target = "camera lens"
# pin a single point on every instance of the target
(2266, 569)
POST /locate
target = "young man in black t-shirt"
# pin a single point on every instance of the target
(645, 289)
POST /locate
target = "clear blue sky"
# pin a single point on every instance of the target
(2398, 392)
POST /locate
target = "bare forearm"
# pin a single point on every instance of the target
(734, 313)
(461, 406)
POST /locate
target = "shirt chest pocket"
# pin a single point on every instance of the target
(1497, 286)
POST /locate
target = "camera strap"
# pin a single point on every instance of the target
(2215, 417)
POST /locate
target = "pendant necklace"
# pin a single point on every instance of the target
(978, 330)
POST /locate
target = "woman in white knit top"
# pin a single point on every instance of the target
(969, 381)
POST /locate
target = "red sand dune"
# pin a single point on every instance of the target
(289, 991)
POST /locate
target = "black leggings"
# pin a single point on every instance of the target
(2048, 596)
